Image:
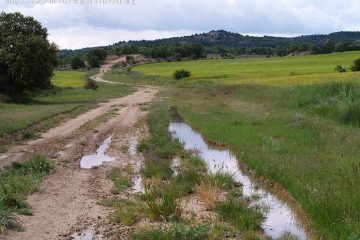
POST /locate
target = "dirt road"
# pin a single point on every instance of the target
(67, 201)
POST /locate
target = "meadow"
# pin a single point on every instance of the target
(270, 71)
(293, 120)
(46, 109)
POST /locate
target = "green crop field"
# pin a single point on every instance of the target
(278, 71)
(294, 120)
(69, 78)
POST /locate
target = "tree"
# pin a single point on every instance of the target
(95, 56)
(77, 62)
(94, 61)
(356, 66)
(27, 58)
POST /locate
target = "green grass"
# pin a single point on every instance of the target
(287, 120)
(16, 183)
(273, 71)
(55, 106)
(314, 157)
(241, 214)
(173, 232)
(73, 79)
(120, 182)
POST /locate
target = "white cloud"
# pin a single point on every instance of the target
(87, 36)
(78, 25)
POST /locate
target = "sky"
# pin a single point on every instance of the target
(76, 24)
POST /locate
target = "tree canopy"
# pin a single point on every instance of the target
(27, 58)
(95, 56)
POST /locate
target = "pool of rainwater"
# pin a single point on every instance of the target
(87, 162)
(280, 218)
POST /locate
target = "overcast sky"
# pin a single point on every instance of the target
(75, 25)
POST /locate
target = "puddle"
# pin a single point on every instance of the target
(87, 234)
(133, 146)
(175, 166)
(90, 161)
(280, 217)
(137, 180)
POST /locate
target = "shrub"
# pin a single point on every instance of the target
(356, 66)
(77, 63)
(180, 74)
(91, 84)
(340, 69)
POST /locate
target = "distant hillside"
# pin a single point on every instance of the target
(225, 43)
(226, 39)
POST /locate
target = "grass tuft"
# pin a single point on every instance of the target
(16, 183)
(173, 232)
(120, 182)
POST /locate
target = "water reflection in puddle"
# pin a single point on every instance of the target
(132, 146)
(90, 161)
(280, 217)
(87, 234)
(137, 180)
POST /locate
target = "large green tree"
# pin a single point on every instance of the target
(95, 56)
(27, 58)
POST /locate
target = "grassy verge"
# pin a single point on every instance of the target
(294, 136)
(164, 190)
(16, 183)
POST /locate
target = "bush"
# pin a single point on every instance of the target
(356, 66)
(340, 69)
(180, 74)
(77, 63)
(91, 84)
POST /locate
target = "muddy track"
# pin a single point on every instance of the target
(67, 201)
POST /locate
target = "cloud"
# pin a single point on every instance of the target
(79, 25)
(87, 36)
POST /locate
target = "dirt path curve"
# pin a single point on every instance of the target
(105, 68)
(144, 94)
(67, 201)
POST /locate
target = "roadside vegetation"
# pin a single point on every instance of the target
(294, 120)
(16, 183)
(165, 193)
